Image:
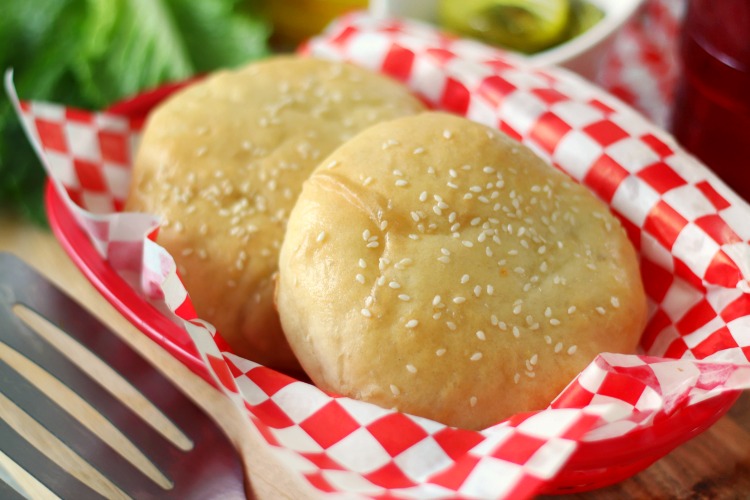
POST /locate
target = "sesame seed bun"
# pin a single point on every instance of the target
(222, 163)
(434, 265)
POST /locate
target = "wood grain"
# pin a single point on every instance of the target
(715, 465)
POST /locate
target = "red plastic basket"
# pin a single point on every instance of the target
(593, 465)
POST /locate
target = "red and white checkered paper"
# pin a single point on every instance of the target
(691, 231)
(642, 66)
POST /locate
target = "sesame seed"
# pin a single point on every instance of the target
(403, 263)
(558, 347)
(451, 185)
(373, 244)
(423, 196)
(572, 349)
(360, 278)
(516, 378)
(436, 300)
(411, 368)
(404, 297)
(369, 300)
(615, 301)
(548, 339)
(548, 312)
(542, 249)
(467, 243)
(395, 285)
(465, 279)
(473, 401)
(501, 325)
(366, 234)
(362, 263)
(418, 151)
(601, 310)
(571, 309)
(490, 289)
(481, 335)
(451, 325)
(476, 356)
(445, 251)
(447, 134)
(493, 320)
(517, 309)
(554, 322)
(367, 181)
(321, 236)
(395, 390)
(380, 281)
(477, 291)
(516, 332)
(383, 225)
(412, 323)
(437, 315)
(366, 313)
(534, 359)
(530, 374)
(440, 352)
(543, 267)
(452, 173)
(401, 183)
(459, 300)
(488, 251)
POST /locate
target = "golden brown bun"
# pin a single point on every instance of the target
(439, 267)
(222, 163)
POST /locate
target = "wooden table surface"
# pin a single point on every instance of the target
(714, 465)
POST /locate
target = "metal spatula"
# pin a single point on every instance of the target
(203, 464)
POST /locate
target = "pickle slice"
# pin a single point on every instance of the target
(583, 15)
(522, 25)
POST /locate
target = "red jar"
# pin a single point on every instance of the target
(711, 116)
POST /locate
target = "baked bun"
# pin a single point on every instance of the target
(436, 266)
(222, 163)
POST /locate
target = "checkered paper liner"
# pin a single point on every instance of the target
(691, 232)
(642, 66)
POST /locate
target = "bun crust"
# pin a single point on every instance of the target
(434, 265)
(222, 163)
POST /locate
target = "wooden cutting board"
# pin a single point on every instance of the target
(714, 465)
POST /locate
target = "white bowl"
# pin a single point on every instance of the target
(581, 54)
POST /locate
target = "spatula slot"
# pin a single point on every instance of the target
(108, 378)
